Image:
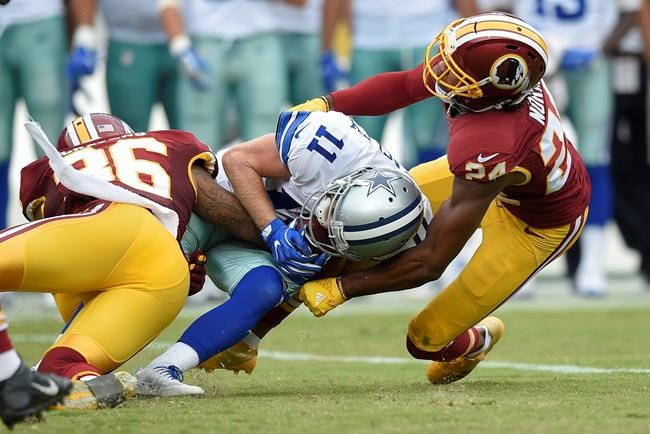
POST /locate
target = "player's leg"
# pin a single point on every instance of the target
(201, 111)
(255, 286)
(591, 110)
(426, 132)
(261, 90)
(454, 329)
(42, 79)
(168, 78)
(366, 63)
(131, 80)
(109, 266)
(8, 90)
(24, 393)
(301, 52)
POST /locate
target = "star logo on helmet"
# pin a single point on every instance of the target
(381, 180)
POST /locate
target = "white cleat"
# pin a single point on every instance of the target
(164, 381)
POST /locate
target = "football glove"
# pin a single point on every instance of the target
(81, 62)
(319, 104)
(196, 264)
(329, 71)
(192, 65)
(291, 251)
(321, 296)
(576, 59)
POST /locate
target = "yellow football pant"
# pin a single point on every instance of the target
(510, 254)
(119, 260)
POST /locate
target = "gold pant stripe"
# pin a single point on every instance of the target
(121, 262)
(509, 255)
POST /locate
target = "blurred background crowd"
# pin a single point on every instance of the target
(224, 69)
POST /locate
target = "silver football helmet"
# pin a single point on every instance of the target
(369, 214)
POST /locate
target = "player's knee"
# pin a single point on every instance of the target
(263, 284)
(417, 352)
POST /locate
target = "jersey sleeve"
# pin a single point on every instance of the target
(288, 125)
(39, 195)
(187, 142)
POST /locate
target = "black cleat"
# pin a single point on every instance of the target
(27, 394)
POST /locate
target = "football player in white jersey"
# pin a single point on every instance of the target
(577, 31)
(32, 67)
(353, 199)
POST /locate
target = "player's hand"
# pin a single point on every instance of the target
(292, 252)
(313, 105)
(321, 296)
(196, 263)
(192, 65)
(576, 59)
(329, 71)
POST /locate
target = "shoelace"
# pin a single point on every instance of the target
(171, 372)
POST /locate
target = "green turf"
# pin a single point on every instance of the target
(336, 397)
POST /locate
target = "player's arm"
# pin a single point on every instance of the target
(246, 164)
(221, 208)
(451, 227)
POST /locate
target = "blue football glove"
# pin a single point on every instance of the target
(192, 65)
(81, 62)
(291, 251)
(576, 59)
(330, 71)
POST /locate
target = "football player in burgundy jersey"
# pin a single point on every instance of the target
(104, 237)
(510, 170)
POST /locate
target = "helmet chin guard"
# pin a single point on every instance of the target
(369, 214)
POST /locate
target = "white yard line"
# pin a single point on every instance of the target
(376, 360)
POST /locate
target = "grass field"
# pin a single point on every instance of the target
(561, 368)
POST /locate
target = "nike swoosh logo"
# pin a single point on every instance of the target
(300, 130)
(482, 159)
(50, 390)
(530, 232)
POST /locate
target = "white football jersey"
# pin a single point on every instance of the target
(318, 148)
(133, 21)
(228, 19)
(390, 24)
(581, 23)
(299, 19)
(28, 11)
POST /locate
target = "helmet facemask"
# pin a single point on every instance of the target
(369, 214)
(490, 61)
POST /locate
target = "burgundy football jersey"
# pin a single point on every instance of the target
(530, 140)
(155, 165)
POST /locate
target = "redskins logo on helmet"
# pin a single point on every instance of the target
(509, 72)
(91, 127)
(485, 62)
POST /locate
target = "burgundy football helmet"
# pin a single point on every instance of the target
(485, 62)
(91, 127)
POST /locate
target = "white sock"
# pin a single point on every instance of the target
(180, 355)
(251, 340)
(9, 364)
(591, 270)
(487, 340)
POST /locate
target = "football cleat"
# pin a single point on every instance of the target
(239, 357)
(164, 381)
(454, 370)
(105, 391)
(27, 394)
